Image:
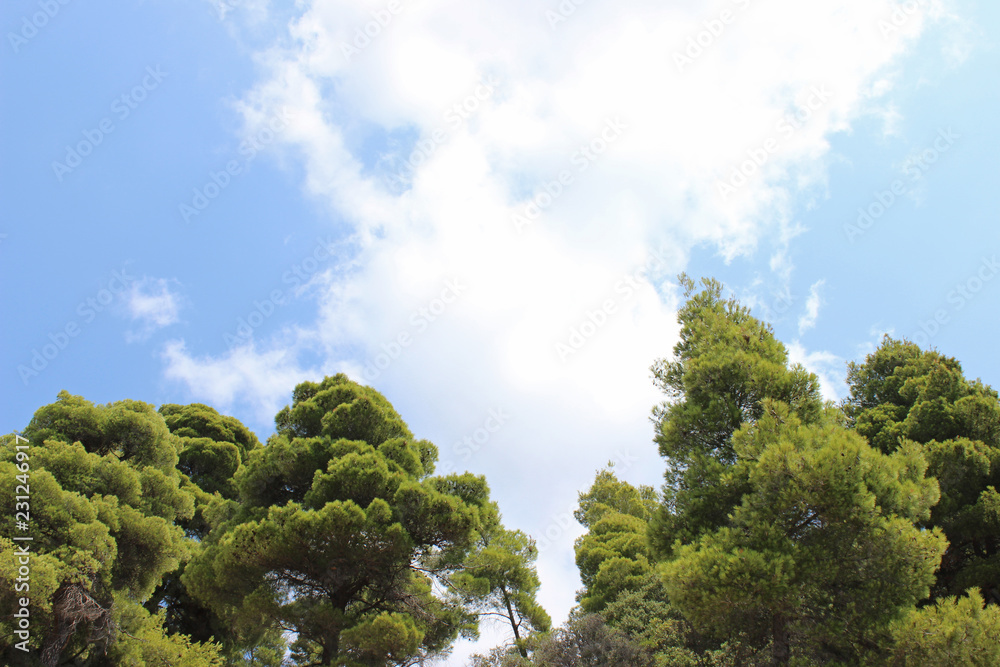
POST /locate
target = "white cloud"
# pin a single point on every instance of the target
(828, 367)
(755, 111)
(152, 306)
(262, 379)
(808, 319)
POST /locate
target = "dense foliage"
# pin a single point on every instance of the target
(173, 537)
(108, 505)
(904, 397)
(788, 531)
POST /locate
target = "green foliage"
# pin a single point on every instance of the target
(585, 641)
(211, 465)
(613, 556)
(148, 643)
(340, 409)
(822, 553)
(498, 580)
(952, 632)
(780, 527)
(213, 448)
(127, 430)
(647, 618)
(340, 532)
(620, 581)
(389, 638)
(336, 532)
(105, 502)
(724, 366)
(788, 531)
(201, 421)
(902, 395)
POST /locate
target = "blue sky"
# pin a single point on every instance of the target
(214, 200)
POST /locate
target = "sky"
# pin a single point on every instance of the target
(481, 209)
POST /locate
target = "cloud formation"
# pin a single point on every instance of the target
(808, 319)
(560, 171)
(152, 306)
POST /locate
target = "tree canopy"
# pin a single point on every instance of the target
(725, 365)
(903, 397)
(788, 530)
(106, 504)
(174, 537)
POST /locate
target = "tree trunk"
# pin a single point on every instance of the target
(780, 650)
(513, 624)
(331, 647)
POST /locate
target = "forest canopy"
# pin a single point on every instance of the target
(789, 530)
